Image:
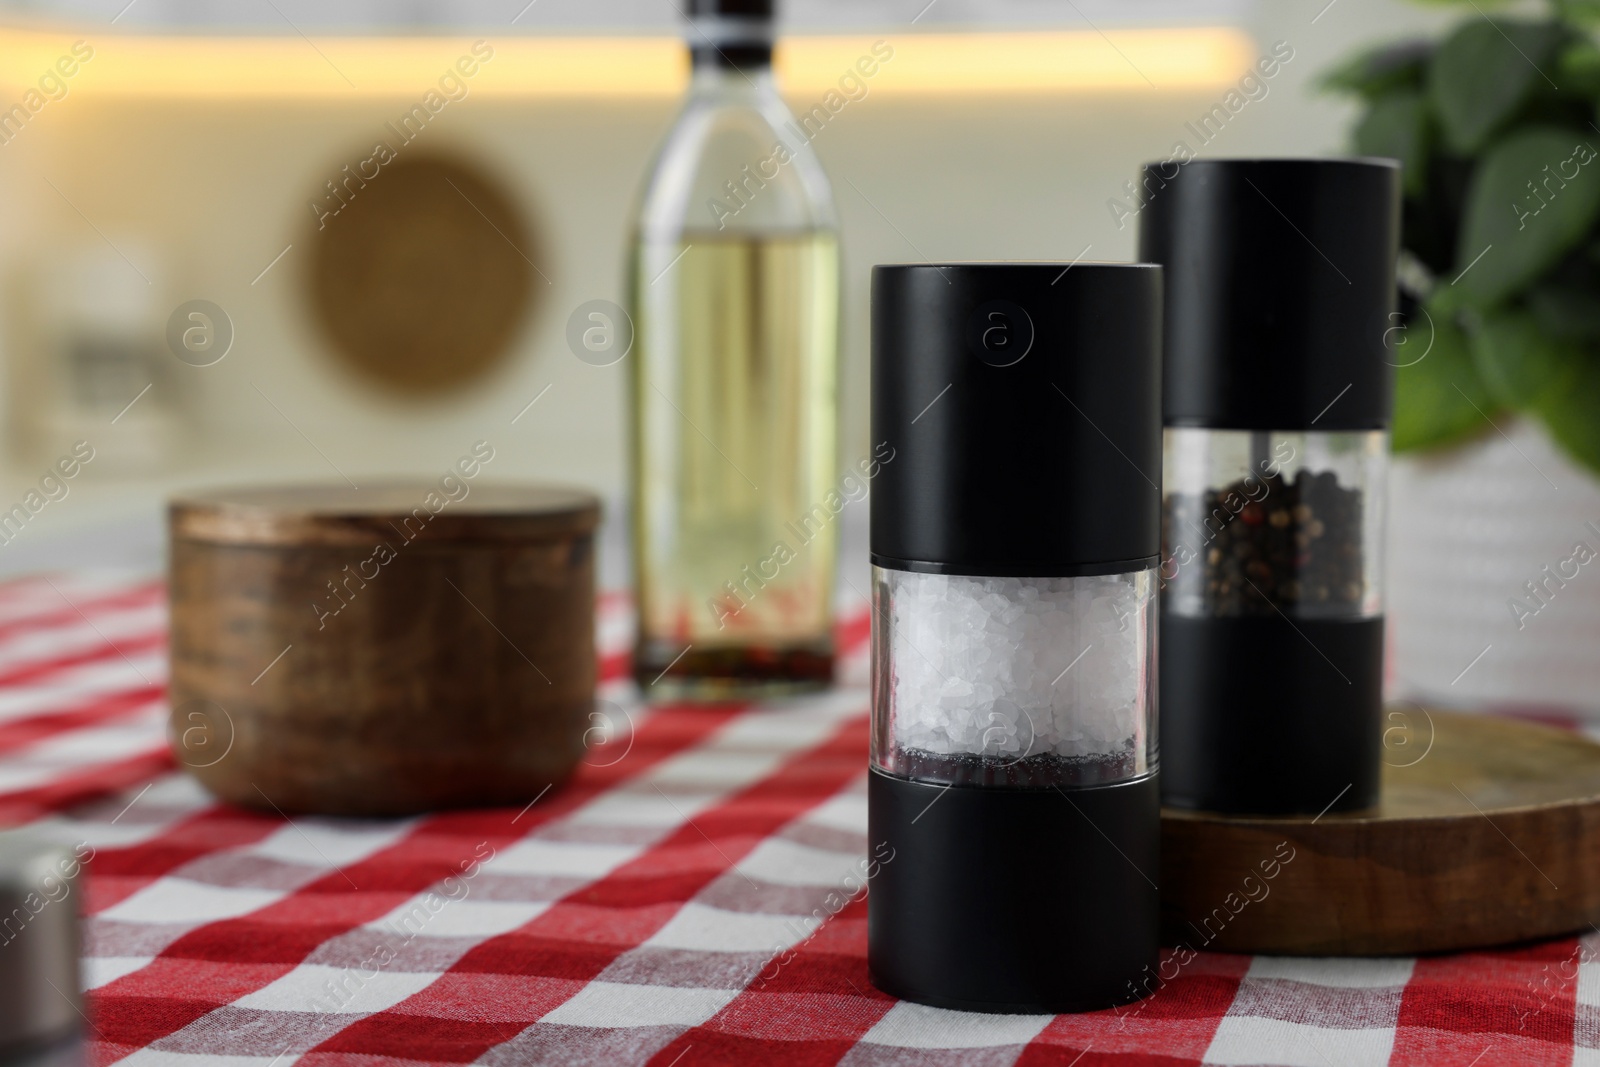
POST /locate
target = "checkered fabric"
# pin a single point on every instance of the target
(690, 897)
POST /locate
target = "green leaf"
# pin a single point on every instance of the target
(1439, 398)
(1483, 72)
(1566, 302)
(1564, 313)
(1519, 362)
(1382, 70)
(1556, 380)
(1578, 68)
(1534, 196)
(1396, 126)
(1580, 11)
(1572, 414)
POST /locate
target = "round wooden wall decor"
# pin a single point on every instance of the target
(421, 273)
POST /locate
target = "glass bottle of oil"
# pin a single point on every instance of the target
(734, 293)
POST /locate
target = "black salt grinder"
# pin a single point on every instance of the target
(1013, 797)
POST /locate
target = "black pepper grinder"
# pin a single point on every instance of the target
(1277, 396)
(1013, 804)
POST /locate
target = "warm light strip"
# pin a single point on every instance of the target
(1055, 62)
(331, 67)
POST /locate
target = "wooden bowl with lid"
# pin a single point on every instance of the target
(399, 648)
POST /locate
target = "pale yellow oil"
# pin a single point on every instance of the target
(735, 423)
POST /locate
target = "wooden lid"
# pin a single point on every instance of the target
(340, 515)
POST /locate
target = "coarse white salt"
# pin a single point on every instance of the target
(1016, 667)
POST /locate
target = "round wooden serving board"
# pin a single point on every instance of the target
(1487, 832)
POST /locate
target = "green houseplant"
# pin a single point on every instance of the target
(1495, 127)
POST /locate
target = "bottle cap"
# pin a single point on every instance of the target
(750, 9)
(733, 34)
(1021, 402)
(1280, 284)
(38, 943)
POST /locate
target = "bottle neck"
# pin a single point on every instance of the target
(749, 59)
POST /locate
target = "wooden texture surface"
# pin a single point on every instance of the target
(1488, 832)
(336, 514)
(423, 277)
(331, 659)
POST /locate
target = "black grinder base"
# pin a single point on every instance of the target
(1031, 901)
(1260, 716)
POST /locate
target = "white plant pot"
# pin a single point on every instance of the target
(1470, 528)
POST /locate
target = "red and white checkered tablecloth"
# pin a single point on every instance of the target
(688, 903)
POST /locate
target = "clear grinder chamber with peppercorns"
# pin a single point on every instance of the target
(1258, 522)
(1277, 392)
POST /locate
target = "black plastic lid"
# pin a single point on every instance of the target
(1022, 405)
(731, 34)
(750, 9)
(1280, 281)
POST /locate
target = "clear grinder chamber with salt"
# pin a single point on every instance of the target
(1013, 793)
(1278, 379)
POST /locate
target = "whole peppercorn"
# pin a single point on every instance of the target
(1295, 547)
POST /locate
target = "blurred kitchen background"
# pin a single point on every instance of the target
(195, 147)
